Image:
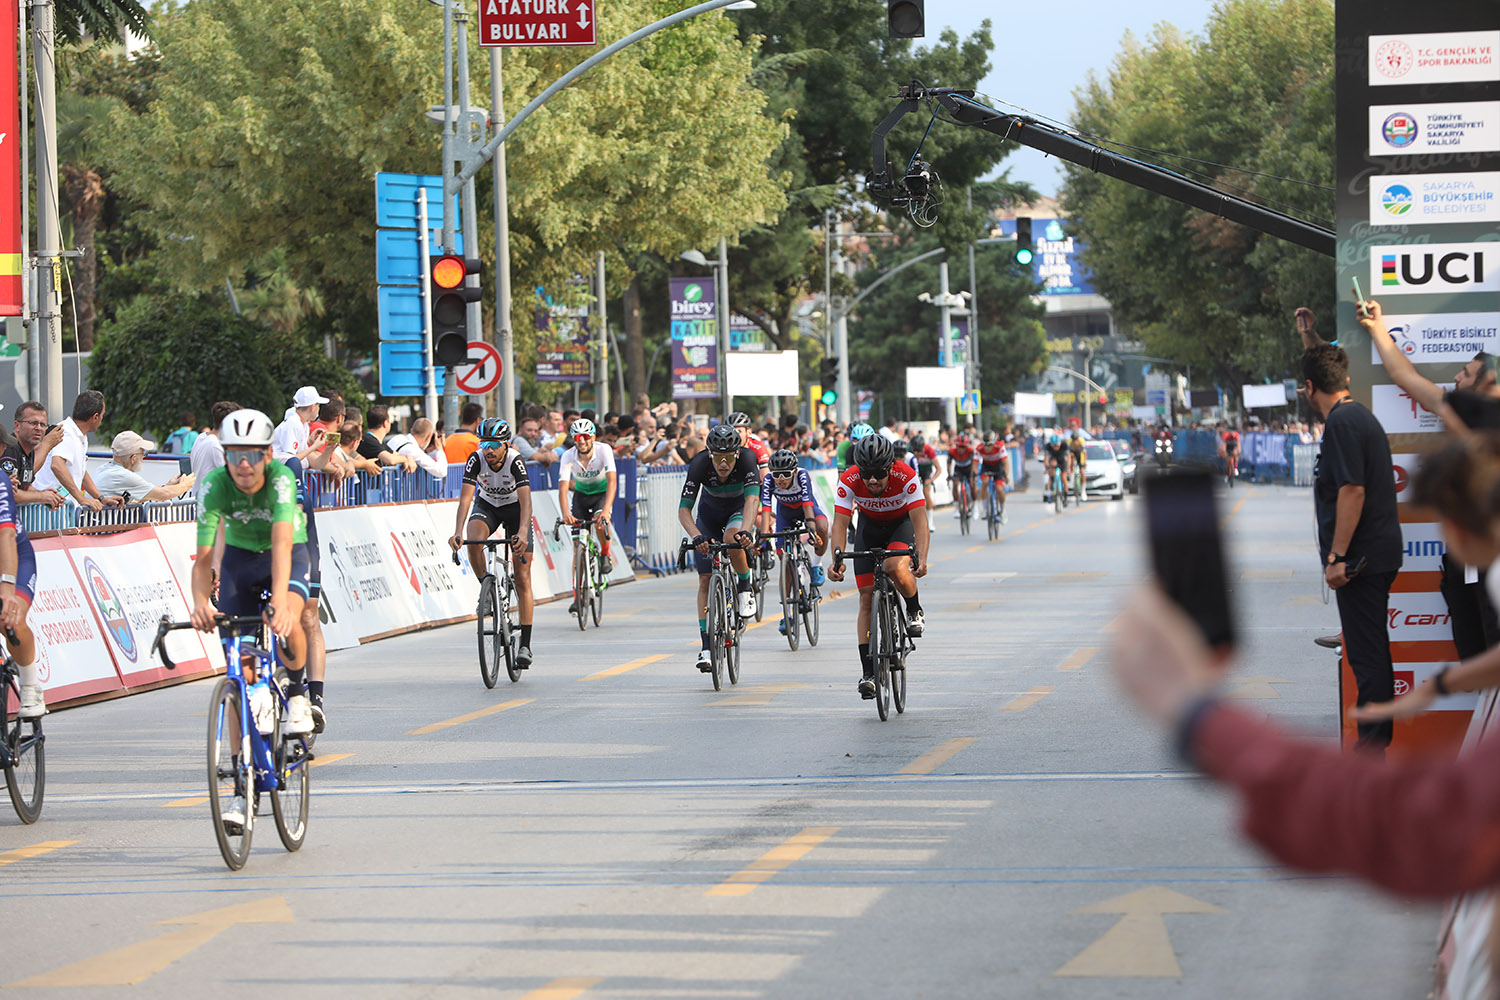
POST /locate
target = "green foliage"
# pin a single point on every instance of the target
(172, 352)
(1256, 93)
(106, 20)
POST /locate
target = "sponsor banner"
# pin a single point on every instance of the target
(1441, 338)
(1431, 199)
(1434, 57)
(1404, 468)
(129, 583)
(1422, 549)
(1455, 127)
(1418, 617)
(1398, 413)
(425, 570)
(73, 659)
(362, 581)
(562, 341)
(180, 544)
(695, 339)
(1434, 269)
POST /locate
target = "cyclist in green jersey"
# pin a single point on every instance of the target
(265, 547)
(856, 431)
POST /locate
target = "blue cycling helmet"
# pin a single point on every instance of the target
(860, 430)
(1055, 439)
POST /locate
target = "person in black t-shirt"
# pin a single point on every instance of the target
(32, 444)
(1359, 535)
(370, 446)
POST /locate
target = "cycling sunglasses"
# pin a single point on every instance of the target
(492, 445)
(874, 477)
(234, 456)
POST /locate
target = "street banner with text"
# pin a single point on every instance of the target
(695, 339)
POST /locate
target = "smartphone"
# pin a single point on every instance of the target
(1182, 523)
(1359, 296)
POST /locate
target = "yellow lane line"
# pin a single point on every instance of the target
(562, 989)
(1079, 658)
(776, 859)
(22, 853)
(191, 800)
(329, 759)
(624, 667)
(937, 756)
(973, 548)
(460, 720)
(1025, 701)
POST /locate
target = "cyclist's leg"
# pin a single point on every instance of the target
(520, 568)
(23, 650)
(864, 578)
(711, 519)
(902, 536)
(312, 627)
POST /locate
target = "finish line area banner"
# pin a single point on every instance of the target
(387, 569)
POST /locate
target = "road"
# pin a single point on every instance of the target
(612, 828)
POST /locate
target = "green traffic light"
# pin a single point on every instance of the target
(829, 397)
(1024, 255)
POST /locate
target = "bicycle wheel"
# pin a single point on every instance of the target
(963, 513)
(992, 517)
(809, 616)
(880, 639)
(1059, 500)
(596, 587)
(229, 774)
(732, 655)
(762, 577)
(790, 582)
(25, 759)
(290, 797)
(489, 630)
(718, 628)
(581, 585)
(898, 658)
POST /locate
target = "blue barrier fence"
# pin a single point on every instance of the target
(1264, 458)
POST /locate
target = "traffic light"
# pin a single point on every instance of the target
(1024, 251)
(906, 18)
(448, 301)
(828, 375)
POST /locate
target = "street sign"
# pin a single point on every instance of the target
(398, 254)
(396, 201)
(403, 368)
(969, 402)
(399, 308)
(482, 373)
(536, 22)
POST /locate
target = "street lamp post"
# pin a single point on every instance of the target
(721, 307)
(946, 301)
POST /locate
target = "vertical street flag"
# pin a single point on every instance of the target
(12, 240)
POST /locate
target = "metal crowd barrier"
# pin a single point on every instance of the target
(658, 530)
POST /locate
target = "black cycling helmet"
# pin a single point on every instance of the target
(989, 437)
(873, 453)
(724, 438)
(784, 460)
(739, 418)
(918, 443)
(494, 429)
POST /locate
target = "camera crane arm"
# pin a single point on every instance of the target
(960, 104)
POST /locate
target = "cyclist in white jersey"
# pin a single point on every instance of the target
(496, 485)
(587, 473)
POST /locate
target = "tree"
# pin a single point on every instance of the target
(105, 20)
(168, 353)
(267, 133)
(82, 121)
(1252, 105)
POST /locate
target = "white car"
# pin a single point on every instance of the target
(1102, 475)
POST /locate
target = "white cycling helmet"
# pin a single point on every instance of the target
(583, 426)
(246, 429)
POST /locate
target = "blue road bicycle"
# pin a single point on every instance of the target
(248, 754)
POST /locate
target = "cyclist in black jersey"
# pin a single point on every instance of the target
(727, 474)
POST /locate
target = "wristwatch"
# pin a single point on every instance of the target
(1334, 557)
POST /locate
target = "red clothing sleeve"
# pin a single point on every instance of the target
(1422, 828)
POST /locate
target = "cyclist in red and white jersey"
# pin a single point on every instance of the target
(889, 494)
(994, 465)
(1229, 449)
(740, 421)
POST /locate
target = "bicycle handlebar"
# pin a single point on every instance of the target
(158, 645)
(489, 543)
(879, 555)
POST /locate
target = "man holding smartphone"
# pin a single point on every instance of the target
(1359, 536)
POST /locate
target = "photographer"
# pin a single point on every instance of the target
(652, 446)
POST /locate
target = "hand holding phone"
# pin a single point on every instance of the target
(1186, 551)
(1359, 297)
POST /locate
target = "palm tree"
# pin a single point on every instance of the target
(101, 20)
(275, 297)
(81, 121)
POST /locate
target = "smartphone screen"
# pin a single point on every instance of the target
(1182, 520)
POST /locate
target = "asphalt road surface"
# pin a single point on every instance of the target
(610, 827)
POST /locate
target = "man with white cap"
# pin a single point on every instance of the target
(122, 477)
(293, 439)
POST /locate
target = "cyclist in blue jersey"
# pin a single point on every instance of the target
(17, 590)
(791, 489)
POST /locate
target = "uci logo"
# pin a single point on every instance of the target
(1437, 268)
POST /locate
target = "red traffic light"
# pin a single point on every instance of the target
(448, 272)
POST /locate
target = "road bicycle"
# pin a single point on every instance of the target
(799, 598)
(994, 505)
(889, 641)
(1231, 468)
(725, 626)
(22, 746)
(1058, 495)
(1080, 491)
(963, 500)
(248, 753)
(762, 561)
(498, 638)
(589, 581)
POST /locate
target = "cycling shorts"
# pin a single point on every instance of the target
(716, 516)
(926, 471)
(245, 575)
(788, 516)
(494, 517)
(25, 570)
(996, 469)
(897, 533)
(585, 505)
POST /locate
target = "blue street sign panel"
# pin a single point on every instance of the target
(396, 201)
(398, 256)
(969, 402)
(400, 311)
(403, 369)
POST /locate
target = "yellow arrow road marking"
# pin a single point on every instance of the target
(1137, 945)
(1255, 688)
(937, 756)
(45, 847)
(460, 720)
(760, 694)
(622, 668)
(793, 849)
(1025, 701)
(1079, 658)
(562, 989)
(137, 962)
